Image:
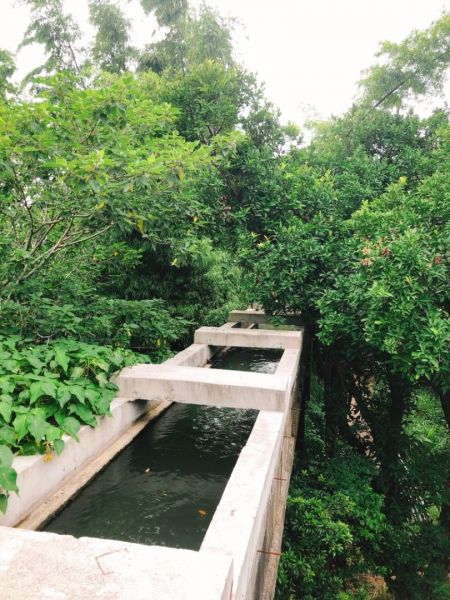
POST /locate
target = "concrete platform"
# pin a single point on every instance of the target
(47, 566)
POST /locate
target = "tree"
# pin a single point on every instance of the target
(191, 38)
(209, 38)
(80, 163)
(364, 258)
(416, 66)
(7, 68)
(211, 99)
(167, 12)
(170, 52)
(111, 50)
(57, 32)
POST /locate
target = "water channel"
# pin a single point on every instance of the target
(164, 487)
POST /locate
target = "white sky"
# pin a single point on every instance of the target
(310, 53)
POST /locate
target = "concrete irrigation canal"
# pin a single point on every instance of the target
(181, 494)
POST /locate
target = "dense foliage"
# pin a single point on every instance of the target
(146, 191)
(48, 390)
(366, 261)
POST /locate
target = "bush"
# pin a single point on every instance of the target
(142, 325)
(48, 390)
(334, 523)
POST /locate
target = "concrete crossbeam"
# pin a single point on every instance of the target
(248, 338)
(259, 317)
(195, 355)
(195, 385)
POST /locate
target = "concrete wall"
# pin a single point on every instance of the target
(248, 522)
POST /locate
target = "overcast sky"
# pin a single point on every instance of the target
(310, 53)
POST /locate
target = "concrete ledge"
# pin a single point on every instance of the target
(259, 317)
(39, 565)
(248, 522)
(194, 385)
(248, 338)
(195, 355)
(289, 362)
(238, 524)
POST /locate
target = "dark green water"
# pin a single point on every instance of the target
(249, 359)
(164, 487)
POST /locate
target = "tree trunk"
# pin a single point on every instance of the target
(335, 400)
(444, 517)
(305, 386)
(400, 392)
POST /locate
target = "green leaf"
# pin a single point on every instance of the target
(61, 357)
(93, 396)
(52, 433)
(34, 361)
(3, 503)
(7, 385)
(102, 380)
(71, 426)
(63, 395)
(6, 456)
(94, 186)
(5, 411)
(77, 372)
(49, 389)
(36, 426)
(8, 479)
(36, 391)
(78, 392)
(102, 364)
(58, 445)
(20, 425)
(85, 414)
(7, 435)
(21, 409)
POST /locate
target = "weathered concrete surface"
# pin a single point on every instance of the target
(238, 524)
(288, 364)
(195, 355)
(195, 385)
(249, 520)
(38, 566)
(248, 338)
